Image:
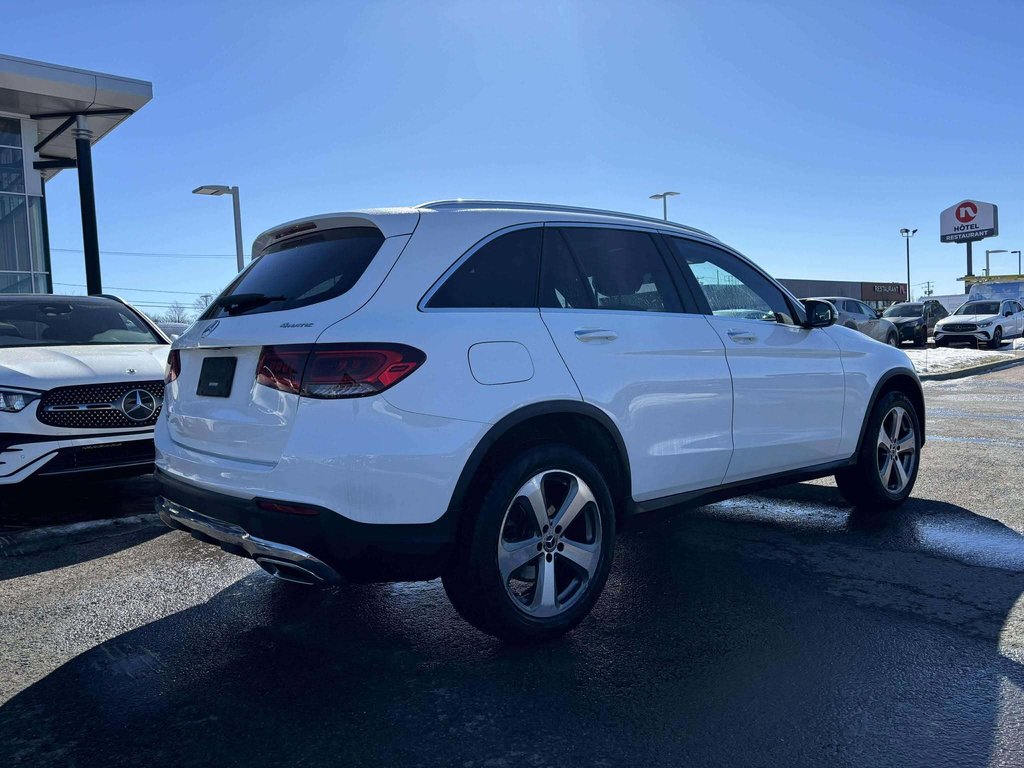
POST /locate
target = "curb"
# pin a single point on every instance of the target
(52, 536)
(964, 372)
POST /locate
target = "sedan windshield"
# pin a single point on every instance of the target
(979, 308)
(49, 322)
(904, 310)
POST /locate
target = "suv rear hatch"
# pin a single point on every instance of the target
(305, 276)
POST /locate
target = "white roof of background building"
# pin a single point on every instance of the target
(33, 88)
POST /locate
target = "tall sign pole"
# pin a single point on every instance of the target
(966, 222)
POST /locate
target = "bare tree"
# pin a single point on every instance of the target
(176, 313)
(205, 300)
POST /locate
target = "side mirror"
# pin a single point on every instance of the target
(1007, 313)
(878, 314)
(820, 314)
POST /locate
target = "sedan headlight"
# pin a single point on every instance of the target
(12, 401)
(985, 324)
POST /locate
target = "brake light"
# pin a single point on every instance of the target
(331, 371)
(173, 366)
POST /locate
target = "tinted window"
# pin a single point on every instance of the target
(731, 286)
(979, 308)
(304, 271)
(616, 269)
(501, 274)
(905, 310)
(51, 322)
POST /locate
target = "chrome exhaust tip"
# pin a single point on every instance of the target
(285, 571)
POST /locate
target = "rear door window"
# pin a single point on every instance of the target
(501, 274)
(303, 271)
(599, 268)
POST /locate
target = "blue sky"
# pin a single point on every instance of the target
(804, 134)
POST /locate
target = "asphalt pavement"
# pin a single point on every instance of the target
(779, 629)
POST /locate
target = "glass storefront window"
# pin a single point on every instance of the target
(14, 243)
(12, 170)
(10, 132)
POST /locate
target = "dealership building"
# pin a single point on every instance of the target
(50, 116)
(877, 295)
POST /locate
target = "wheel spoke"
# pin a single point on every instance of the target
(544, 591)
(577, 498)
(586, 556)
(886, 470)
(533, 492)
(897, 424)
(902, 473)
(883, 437)
(512, 557)
(907, 444)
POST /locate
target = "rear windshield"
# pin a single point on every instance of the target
(905, 310)
(299, 272)
(62, 322)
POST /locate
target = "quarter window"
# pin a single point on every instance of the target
(501, 274)
(596, 268)
(731, 286)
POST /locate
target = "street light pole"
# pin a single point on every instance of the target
(664, 196)
(217, 190)
(907, 234)
(988, 271)
(1019, 273)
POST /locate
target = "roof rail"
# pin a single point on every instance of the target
(552, 207)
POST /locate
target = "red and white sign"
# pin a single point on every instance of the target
(968, 220)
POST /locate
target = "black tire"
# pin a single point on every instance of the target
(921, 338)
(940, 342)
(893, 340)
(862, 483)
(474, 582)
(997, 338)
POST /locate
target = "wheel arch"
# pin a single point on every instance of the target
(572, 422)
(896, 380)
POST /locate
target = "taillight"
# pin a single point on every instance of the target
(173, 366)
(330, 371)
(281, 367)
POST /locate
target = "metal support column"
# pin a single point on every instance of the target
(87, 195)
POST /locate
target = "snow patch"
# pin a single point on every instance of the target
(944, 359)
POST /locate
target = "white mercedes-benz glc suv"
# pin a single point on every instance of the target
(81, 386)
(485, 391)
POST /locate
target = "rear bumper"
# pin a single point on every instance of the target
(327, 544)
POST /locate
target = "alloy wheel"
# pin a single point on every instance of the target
(549, 548)
(897, 450)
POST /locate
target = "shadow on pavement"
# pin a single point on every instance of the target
(58, 501)
(719, 640)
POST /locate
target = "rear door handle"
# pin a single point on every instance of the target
(744, 337)
(596, 334)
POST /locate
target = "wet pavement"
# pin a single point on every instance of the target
(779, 629)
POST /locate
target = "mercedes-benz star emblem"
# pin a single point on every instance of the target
(139, 405)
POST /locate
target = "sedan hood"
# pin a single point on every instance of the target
(49, 367)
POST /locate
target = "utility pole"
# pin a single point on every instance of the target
(928, 288)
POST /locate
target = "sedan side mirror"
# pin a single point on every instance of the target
(1007, 313)
(820, 314)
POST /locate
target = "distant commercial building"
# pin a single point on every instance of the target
(50, 116)
(875, 294)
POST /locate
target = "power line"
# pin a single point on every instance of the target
(151, 255)
(143, 290)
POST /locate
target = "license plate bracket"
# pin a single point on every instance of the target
(216, 376)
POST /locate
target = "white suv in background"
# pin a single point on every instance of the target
(484, 391)
(986, 321)
(80, 387)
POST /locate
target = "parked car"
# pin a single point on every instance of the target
(81, 386)
(172, 330)
(860, 317)
(982, 322)
(485, 391)
(915, 320)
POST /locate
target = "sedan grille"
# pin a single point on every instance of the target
(959, 327)
(128, 404)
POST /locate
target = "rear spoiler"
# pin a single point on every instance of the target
(390, 221)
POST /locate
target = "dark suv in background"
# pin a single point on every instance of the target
(915, 320)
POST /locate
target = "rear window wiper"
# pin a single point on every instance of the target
(242, 301)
